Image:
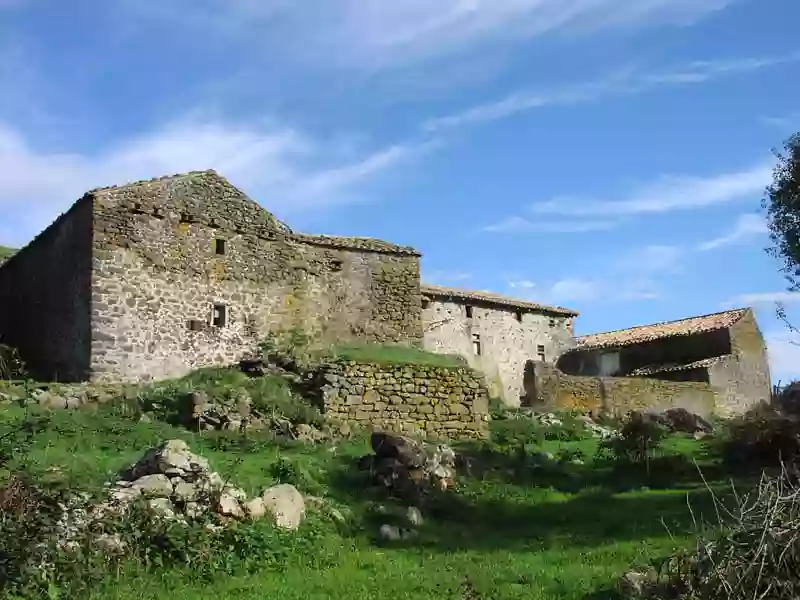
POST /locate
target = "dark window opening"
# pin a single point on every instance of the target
(195, 325)
(476, 344)
(336, 265)
(552, 322)
(425, 303)
(219, 317)
(219, 246)
(468, 310)
(518, 315)
(540, 353)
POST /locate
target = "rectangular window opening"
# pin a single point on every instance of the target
(540, 353)
(336, 265)
(219, 316)
(195, 325)
(518, 315)
(468, 310)
(476, 344)
(425, 303)
(219, 246)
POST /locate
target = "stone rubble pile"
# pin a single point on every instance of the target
(408, 468)
(552, 420)
(176, 484)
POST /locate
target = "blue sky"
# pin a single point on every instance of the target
(605, 155)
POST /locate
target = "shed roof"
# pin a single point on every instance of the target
(647, 333)
(439, 291)
(668, 368)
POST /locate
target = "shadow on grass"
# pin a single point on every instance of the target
(513, 508)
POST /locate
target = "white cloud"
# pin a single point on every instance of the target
(747, 227)
(621, 83)
(762, 298)
(378, 34)
(285, 169)
(446, 277)
(517, 224)
(669, 193)
(577, 290)
(783, 350)
(653, 258)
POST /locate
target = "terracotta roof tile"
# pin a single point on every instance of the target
(646, 333)
(439, 291)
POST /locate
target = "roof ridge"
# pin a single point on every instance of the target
(152, 180)
(490, 296)
(649, 325)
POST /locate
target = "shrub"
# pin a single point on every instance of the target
(752, 552)
(761, 437)
(639, 439)
(11, 365)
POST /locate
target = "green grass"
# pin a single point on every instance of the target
(511, 529)
(392, 354)
(6, 252)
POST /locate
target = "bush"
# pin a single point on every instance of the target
(752, 552)
(761, 437)
(11, 365)
(639, 439)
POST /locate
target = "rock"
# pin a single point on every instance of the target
(634, 584)
(186, 492)
(414, 516)
(286, 505)
(228, 506)
(153, 486)
(255, 509)
(390, 533)
(162, 507)
(409, 452)
(308, 433)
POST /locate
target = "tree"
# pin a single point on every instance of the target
(782, 202)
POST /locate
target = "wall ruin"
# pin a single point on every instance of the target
(551, 389)
(443, 402)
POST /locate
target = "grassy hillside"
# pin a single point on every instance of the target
(5, 252)
(509, 530)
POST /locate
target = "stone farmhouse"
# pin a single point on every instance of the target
(155, 278)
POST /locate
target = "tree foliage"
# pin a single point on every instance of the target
(782, 203)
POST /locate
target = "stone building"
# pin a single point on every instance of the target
(725, 350)
(152, 279)
(497, 335)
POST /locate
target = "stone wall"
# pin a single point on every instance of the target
(618, 395)
(45, 295)
(172, 252)
(508, 337)
(743, 377)
(444, 402)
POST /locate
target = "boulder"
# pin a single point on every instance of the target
(286, 505)
(392, 446)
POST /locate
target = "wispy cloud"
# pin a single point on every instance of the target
(582, 291)
(446, 277)
(747, 227)
(788, 121)
(625, 82)
(377, 34)
(517, 224)
(667, 194)
(285, 168)
(658, 258)
(762, 298)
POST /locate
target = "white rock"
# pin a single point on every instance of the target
(255, 509)
(414, 516)
(153, 486)
(229, 506)
(286, 505)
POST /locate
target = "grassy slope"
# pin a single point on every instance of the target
(514, 535)
(5, 252)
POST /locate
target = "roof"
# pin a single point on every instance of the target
(356, 243)
(647, 333)
(439, 291)
(668, 368)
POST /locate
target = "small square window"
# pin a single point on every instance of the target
(468, 311)
(476, 344)
(219, 316)
(425, 303)
(219, 246)
(336, 265)
(195, 325)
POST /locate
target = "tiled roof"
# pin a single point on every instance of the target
(439, 291)
(646, 333)
(668, 368)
